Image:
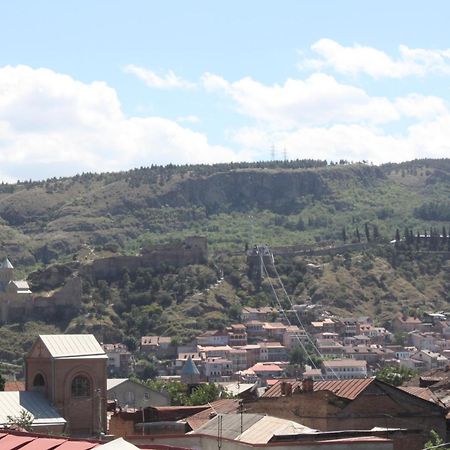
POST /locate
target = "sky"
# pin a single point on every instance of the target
(107, 85)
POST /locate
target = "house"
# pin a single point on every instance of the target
(238, 358)
(275, 330)
(120, 360)
(218, 369)
(237, 334)
(328, 347)
(326, 325)
(431, 360)
(263, 314)
(255, 330)
(266, 370)
(130, 393)
(161, 346)
(70, 371)
(405, 324)
(212, 338)
(272, 351)
(423, 341)
(355, 404)
(343, 369)
(294, 337)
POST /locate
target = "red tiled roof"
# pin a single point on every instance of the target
(348, 389)
(14, 386)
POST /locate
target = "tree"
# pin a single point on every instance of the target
(23, 420)
(205, 393)
(395, 375)
(344, 235)
(358, 236)
(366, 231)
(434, 440)
(297, 356)
(2, 383)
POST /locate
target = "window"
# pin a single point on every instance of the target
(38, 381)
(81, 387)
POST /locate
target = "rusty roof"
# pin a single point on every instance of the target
(349, 389)
(421, 392)
(224, 406)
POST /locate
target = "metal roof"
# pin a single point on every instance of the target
(6, 264)
(14, 402)
(72, 345)
(119, 444)
(42, 444)
(111, 383)
(257, 428)
(349, 389)
(20, 440)
(189, 368)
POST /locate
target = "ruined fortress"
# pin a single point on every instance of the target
(193, 250)
(18, 303)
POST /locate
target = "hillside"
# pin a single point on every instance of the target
(69, 222)
(278, 203)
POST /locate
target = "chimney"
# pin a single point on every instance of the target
(308, 385)
(283, 387)
(288, 389)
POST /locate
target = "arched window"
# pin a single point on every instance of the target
(81, 387)
(38, 383)
(38, 380)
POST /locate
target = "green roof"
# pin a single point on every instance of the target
(190, 368)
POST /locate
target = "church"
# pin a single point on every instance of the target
(70, 371)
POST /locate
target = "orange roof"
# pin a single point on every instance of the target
(261, 367)
(14, 386)
(349, 389)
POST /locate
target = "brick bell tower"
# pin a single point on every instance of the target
(70, 371)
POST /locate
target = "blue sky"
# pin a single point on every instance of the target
(110, 85)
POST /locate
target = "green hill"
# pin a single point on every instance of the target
(293, 203)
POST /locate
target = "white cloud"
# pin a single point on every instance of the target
(191, 118)
(319, 100)
(51, 125)
(153, 80)
(376, 63)
(354, 142)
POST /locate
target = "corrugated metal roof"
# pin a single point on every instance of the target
(257, 428)
(10, 442)
(77, 445)
(224, 406)
(349, 389)
(43, 444)
(72, 345)
(119, 444)
(111, 383)
(13, 403)
(6, 264)
(421, 392)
